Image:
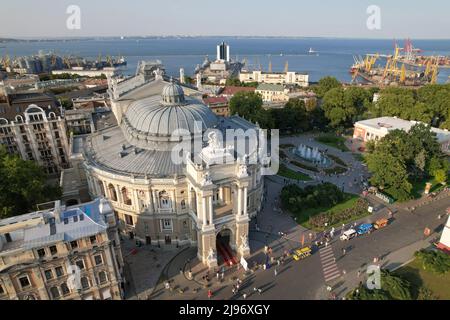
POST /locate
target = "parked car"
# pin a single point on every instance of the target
(302, 253)
(381, 223)
(364, 228)
(349, 234)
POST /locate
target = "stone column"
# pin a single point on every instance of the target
(155, 200)
(211, 210)
(239, 201)
(245, 202)
(119, 194)
(204, 215)
(174, 201)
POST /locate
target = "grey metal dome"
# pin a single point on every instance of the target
(173, 94)
(151, 122)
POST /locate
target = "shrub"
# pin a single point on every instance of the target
(436, 261)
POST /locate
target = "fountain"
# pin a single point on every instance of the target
(313, 155)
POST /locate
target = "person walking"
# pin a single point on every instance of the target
(344, 251)
(275, 271)
(244, 295)
(217, 275)
(210, 294)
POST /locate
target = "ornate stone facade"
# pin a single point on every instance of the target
(162, 203)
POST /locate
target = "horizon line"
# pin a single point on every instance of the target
(43, 38)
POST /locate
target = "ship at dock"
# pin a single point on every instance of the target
(400, 68)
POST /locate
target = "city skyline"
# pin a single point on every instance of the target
(203, 18)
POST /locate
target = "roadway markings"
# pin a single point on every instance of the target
(329, 266)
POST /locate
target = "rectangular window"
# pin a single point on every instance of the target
(93, 239)
(53, 250)
(59, 271)
(24, 282)
(74, 244)
(66, 221)
(41, 253)
(98, 260)
(129, 220)
(81, 217)
(80, 264)
(75, 218)
(48, 274)
(8, 237)
(167, 224)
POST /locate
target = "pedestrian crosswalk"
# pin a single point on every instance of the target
(329, 266)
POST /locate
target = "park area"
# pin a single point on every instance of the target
(333, 141)
(427, 277)
(322, 206)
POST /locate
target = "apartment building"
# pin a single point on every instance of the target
(31, 125)
(64, 253)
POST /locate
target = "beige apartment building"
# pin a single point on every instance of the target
(31, 125)
(64, 253)
(273, 93)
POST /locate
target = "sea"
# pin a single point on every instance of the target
(333, 56)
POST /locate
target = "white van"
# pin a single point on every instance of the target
(349, 234)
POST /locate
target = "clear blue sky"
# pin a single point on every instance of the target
(309, 18)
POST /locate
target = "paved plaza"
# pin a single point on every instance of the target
(178, 274)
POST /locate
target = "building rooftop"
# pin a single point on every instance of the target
(36, 229)
(270, 87)
(215, 100)
(232, 90)
(387, 124)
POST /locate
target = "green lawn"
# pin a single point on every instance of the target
(338, 160)
(303, 216)
(333, 141)
(419, 187)
(291, 174)
(335, 170)
(414, 273)
(304, 166)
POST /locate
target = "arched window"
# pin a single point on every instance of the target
(102, 188)
(19, 119)
(102, 278)
(183, 204)
(65, 289)
(54, 292)
(85, 283)
(112, 192)
(125, 196)
(164, 200)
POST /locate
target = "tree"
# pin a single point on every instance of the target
(23, 185)
(402, 156)
(392, 288)
(344, 106)
(389, 173)
(326, 84)
(246, 104)
(440, 176)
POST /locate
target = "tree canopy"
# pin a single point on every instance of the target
(429, 104)
(326, 84)
(23, 185)
(400, 158)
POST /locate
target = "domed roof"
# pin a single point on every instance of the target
(156, 118)
(173, 94)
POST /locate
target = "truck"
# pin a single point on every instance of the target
(349, 234)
